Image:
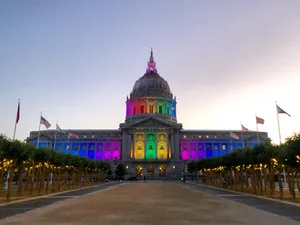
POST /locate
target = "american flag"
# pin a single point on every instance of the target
(235, 136)
(244, 128)
(72, 135)
(280, 110)
(45, 122)
(18, 113)
(260, 120)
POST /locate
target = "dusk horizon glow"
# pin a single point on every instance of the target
(76, 62)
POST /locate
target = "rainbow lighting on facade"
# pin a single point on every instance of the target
(150, 141)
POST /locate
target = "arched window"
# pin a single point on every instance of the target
(142, 109)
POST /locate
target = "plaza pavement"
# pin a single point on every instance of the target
(148, 203)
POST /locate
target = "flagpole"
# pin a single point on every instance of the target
(278, 124)
(69, 139)
(16, 119)
(38, 141)
(257, 129)
(242, 135)
(55, 136)
(230, 140)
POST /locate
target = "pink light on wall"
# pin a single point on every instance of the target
(107, 151)
(184, 154)
(116, 151)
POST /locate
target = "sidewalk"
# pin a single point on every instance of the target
(248, 194)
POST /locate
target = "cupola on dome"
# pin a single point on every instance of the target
(151, 84)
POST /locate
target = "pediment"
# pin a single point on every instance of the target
(151, 123)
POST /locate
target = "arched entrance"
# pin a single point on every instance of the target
(150, 170)
(162, 170)
(139, 171)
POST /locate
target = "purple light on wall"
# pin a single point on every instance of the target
(184, 146)
(193, 155)
(107, 151)
(131, 106)
(99, 155)
(200, 154)
(99, 146)
(193, 146)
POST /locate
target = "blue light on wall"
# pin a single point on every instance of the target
(209, 153)
(217, 153)
(74, 152)
(82, 153)
(91, 154)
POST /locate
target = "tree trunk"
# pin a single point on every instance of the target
(280, 182)
(298, 183)
(54, 182)
(293, 185)
(48, 173)
(42, 178)
(10, 179)
(59, 179)
(1, 179)
(247, 178)
(27, 181)
(20, 181)
(253, 179)
(265, 179)
(242, 179)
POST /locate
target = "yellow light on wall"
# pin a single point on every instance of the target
(173, 167)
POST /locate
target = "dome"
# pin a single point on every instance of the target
(151, 81)
(151, 84)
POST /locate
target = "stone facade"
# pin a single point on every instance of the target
(150, 141)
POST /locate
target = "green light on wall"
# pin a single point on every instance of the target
(150, 145)
(161, 108)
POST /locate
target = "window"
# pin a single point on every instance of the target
(160, 109)
(223, 147)
(151, 108)
(142, 109)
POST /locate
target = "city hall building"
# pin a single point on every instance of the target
(150, 141)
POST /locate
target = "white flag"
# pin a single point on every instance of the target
(59, 130)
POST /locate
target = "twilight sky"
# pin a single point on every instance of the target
(77, 60)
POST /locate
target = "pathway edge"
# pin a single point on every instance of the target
(252, 195)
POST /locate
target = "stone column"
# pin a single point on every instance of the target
(176, 149)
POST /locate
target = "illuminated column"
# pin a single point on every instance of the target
(146, 105)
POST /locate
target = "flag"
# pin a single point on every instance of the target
(235, 136)
(45, 122)
(73, 135)
(280, 110)
(18, 113)
(260, 120)
(59, 130)
(244, 128)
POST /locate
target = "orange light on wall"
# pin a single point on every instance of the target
(170, 153)
(131, 151)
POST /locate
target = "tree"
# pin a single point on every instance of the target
(120, 170)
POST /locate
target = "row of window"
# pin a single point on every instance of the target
(95, 154)
(81, 146)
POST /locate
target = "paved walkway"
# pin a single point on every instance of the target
(148, 203)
